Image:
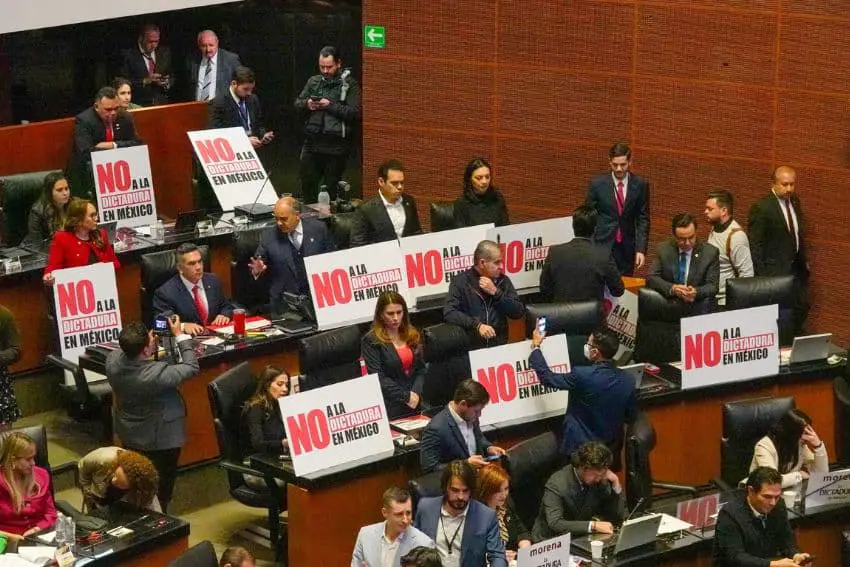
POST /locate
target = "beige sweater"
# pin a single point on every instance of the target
(96, 473)
(766, 455)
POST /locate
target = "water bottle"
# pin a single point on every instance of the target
(324, 197)
(160, 230)
(60, 529)
(70, 533)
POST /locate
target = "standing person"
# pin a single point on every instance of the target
(385, 543)
(389, 215)
(148, 66)
(493, 490)
(149, 411)
(26, 502)
(622, 200)
(729, 239)
(238, 106)
(10, 353)
(332, 99)
(793, 447)
(47, 215)
(112, 474)
(777, 239)
(211, 71)
(480, 202)
(124, 88)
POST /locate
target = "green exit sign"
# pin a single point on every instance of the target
(374, 36)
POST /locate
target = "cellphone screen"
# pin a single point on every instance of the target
(541, 325)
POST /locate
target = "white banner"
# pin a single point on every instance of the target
(232, 167)
(827, 490)
(345, 284)
(431, 260)
(337, 427)
(553, 552)
(730, 346)
(124, 186)
(87, 311)
(621, 317)
(525, 246)
(516, 395)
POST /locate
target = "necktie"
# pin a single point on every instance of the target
(150, 63)
(243, 114)
(683, 266)
(205, 89)
(110, 135)
(293, 236)
(791, 228)
(199, 304)
(620, 201)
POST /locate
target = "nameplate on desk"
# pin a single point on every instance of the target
(525, 246)
(547, 553)
(516, 394)
(699, 512)
(730, 346)
(826, 490)
(124, 186)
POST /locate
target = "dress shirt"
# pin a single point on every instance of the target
(625, 183)
(688, 256)
(466, 429)
(239, 103)
(389, 549)
(396, 212)
(793, 216)
(296, 235)
(446, 530)
(201, 291)
(202, 73)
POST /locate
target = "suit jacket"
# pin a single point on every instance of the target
(740, 540)
(579, 270)
(367, 548)
(224, 113)
(480, 542)
(89, 131)
(382, 359)
(68, 251)
(567, 507)
(173, 296)
(372, 223)
(703, 274)
(633, 223)
(225, 67)
(148, 408)
(773, 250)
(135, 68)
(442, 442)
(263, 432)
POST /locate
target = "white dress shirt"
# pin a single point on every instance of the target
(389, 549)
(397, 214)
(466, 429)
(201, 291)
(449, 527)
(202, 73)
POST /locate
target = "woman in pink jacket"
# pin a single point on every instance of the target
(26, 503)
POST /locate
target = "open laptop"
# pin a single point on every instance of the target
(633, 533)
(187, 220)
(808, 348)
(636, 371)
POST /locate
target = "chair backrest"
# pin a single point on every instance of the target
(658, 337)
(744, 423)
(576, 319)
(425, 486)
(442, 215)
(339, 226)
(845, 549)
(841, 395)
(18, 193)
(227, 395)
(39, 436)
(156, 268)
(248, 292)
(640, 441)
(330, 357)
(446, 350)
(742, 293)
(199, 555)
(531, 463)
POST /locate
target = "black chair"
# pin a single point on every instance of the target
(39, 436)
(658, 338)
(425, 486)
(247, 291)
(156, 268)
(845, 549)
(18, 193)
(742, 293)
(577, 319)
(199, 555)
(227, 394)
(530, 464)
(841, 397)
(446, 350)
(339, 226)
(744, 423)
(442, 214)
(330, 357)
(86, 400)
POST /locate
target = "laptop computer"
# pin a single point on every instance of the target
(187, 220)
(636, 371)
(633, 533)
(808, 348)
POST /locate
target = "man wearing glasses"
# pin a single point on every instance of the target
(389, 215)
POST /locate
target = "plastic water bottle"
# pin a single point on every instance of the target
(160, 230)
(324, 197)
(60, 530)
(70, 533)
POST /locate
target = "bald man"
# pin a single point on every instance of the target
(776, 230)
(211, 72)
(282, 250)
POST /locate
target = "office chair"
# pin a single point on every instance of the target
(577, 319)
(199, 555)
(330, 357)
(442, 215)
(446, 351)
(742, 293)
(425, 486)
(247, 291)
(339, 226)
(530, 464)
(658, 336)
(86, 399)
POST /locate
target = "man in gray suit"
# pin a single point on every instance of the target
(150, 416)
(385, 543)
(210, 73)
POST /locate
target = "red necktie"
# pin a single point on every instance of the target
(109, 134)
(620, 200)
(151, 64)
(199, 304)
(791, 228)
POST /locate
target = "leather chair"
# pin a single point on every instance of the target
(744, 423)
(86, 400)
(425, 486)
(658, 336)
(156, 269)
(442, 215)
(845, 549)
(199, 555)
(841, 395)
(530, 464)
(38, 434)
(330, 357)
(18, 193)
(446, 351)
(227, 394)
(248, 292)
(577, 319)
(742, 293)
(339, 226)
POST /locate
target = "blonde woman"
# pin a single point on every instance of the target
(112, 474)
(26, 503)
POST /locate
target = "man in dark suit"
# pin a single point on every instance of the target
(752, 527)
(148, 66)
(443, 518)
(777, 244)
(580, 269)
(622, 200)
(602, 397)
(210, 73)
(583, 497)
(197, 297)
(454, 433)
(150, 416)
(282, 250)
(389, 215)
(238, 106)
(685, 269)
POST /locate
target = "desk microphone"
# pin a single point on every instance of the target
(255, 210)
(638, 504)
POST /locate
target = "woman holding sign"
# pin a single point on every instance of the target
(793, 448)
(81, 243)
(392, 349)
(48, 214)
(492, 490)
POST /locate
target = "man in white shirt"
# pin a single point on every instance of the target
(389, 215)
(730, 240)
(385, 543)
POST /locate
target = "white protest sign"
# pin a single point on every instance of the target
(345, 284)
(553, 552)
(232, 167)
(516, 395)
(124, 187)
(337, 427)
(827, 490)
(431, 260)
(87, 311)
(621, 317)
(525, 246)
(729, 346)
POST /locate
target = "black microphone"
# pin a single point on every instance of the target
(635, 509)
(254, 210)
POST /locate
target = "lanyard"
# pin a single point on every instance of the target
(450, 543)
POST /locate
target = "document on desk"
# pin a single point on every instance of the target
(251, 324)
(28, 556)
(671, 524)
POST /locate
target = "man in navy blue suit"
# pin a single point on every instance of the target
(602, 397)
(465, 530)
(198, 298)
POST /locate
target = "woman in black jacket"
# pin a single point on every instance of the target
(261, 414)
(492, 489)
(481, 202)
(47, 215)
(392, 349)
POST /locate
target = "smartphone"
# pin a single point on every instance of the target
(315, 98)
(541, 325)
(492, 458)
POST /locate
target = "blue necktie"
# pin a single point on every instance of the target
(683, 266)
(243, 114)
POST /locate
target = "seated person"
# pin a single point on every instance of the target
(112, 474)
(124, 88)
(686, 269)
(492, 490)
(752, 527)
(454, 433)
(261, 414)
(583, 497)
(481, 202)
(580, 269)
(422, 557)
(26, 503)
(236, 557)
(392, 349)
(384, 543)
(793, 448)
(197, 297)
(389, 215)
(47, 215)
(482, 298)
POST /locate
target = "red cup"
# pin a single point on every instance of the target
(239, 322)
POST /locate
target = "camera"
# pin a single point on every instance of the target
(161, 324)
(342, 204)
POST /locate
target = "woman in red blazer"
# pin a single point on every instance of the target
(81, 243)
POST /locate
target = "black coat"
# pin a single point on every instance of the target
(263, 432)
(468, 307)
(89, 131)
(224, 113)
(579, 270)
(383, 360)
(372, 222)
(773, 250)
(740, 540)
(135, 69)
(471, 209)
(633, 223)
(703, 274)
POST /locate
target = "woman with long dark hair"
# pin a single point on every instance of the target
(124, 88)
(81, 243)
(792, 447)
(261, 414)
(481, 202)
(47, 215)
